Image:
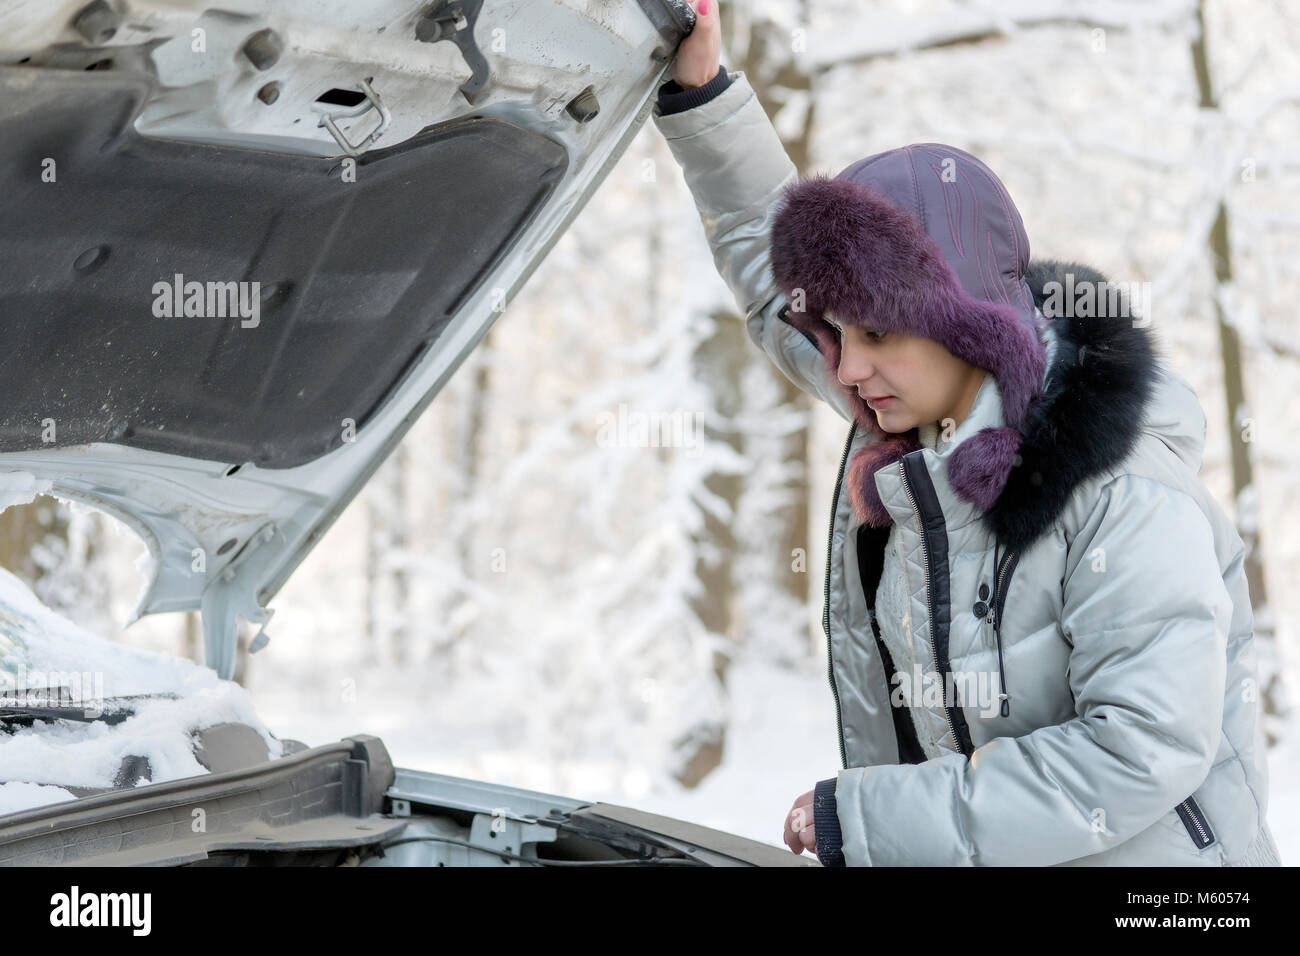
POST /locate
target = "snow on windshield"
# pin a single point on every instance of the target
(40, 649)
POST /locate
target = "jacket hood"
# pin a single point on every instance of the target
(1106, 384)
(924, 240)
(1175, 417)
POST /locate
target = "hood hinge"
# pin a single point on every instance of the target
(234, 593)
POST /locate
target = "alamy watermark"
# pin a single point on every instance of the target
(635, 429)
(75, 908)
(968, 689)
(50, 690)
(1087, 299)
(208, 300)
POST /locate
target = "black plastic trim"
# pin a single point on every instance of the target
(325, 797)
(934, 528)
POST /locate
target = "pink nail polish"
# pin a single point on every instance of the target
(704, 7)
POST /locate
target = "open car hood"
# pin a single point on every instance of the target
(245, 247)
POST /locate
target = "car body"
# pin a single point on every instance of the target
(248, 246)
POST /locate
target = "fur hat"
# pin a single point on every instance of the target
(920, 240)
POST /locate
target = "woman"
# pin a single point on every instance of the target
(1039, 631)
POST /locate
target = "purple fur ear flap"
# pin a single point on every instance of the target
(867, 460)
(978, 467)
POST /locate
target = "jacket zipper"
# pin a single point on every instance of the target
(1197, 826)
(929, 600)
(1008, 564)
(826, 607)
(994, 620)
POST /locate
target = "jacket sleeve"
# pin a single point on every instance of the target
(736, 169)
(1146, 614)
(826, 824)
(673, 98)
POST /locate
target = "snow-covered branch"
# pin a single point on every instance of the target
(893, 33)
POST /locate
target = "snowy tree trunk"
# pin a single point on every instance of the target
(764, 51)
(1243, 474)
(25, 527)
(773, 71)
(399, 542)
(719, 362)
(192, 637)
(387, 547)
(243, 637)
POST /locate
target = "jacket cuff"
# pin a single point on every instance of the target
(674, 99)
(826, 824)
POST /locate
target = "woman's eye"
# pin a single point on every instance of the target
(873, 335)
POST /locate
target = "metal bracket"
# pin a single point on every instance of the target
(233, 593)
(455, 20)
(330, 113)
(509, 832)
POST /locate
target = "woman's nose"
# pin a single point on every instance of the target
(853, 367)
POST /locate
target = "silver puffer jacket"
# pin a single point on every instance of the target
(1121, 635)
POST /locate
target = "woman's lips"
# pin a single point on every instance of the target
(882, 402)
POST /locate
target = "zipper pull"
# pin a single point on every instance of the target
(1005, 709)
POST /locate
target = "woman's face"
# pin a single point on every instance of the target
(924, 382)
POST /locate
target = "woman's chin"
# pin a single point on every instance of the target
(892, 421)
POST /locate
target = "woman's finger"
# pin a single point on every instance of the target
(795, 821)
(793, 842)
(791, 838)
(809, 837)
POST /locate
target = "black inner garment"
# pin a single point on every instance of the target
(871, 565)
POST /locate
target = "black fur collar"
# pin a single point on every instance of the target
(1089, 418)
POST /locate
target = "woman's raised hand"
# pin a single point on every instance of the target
(800, 834)
(699, 55)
